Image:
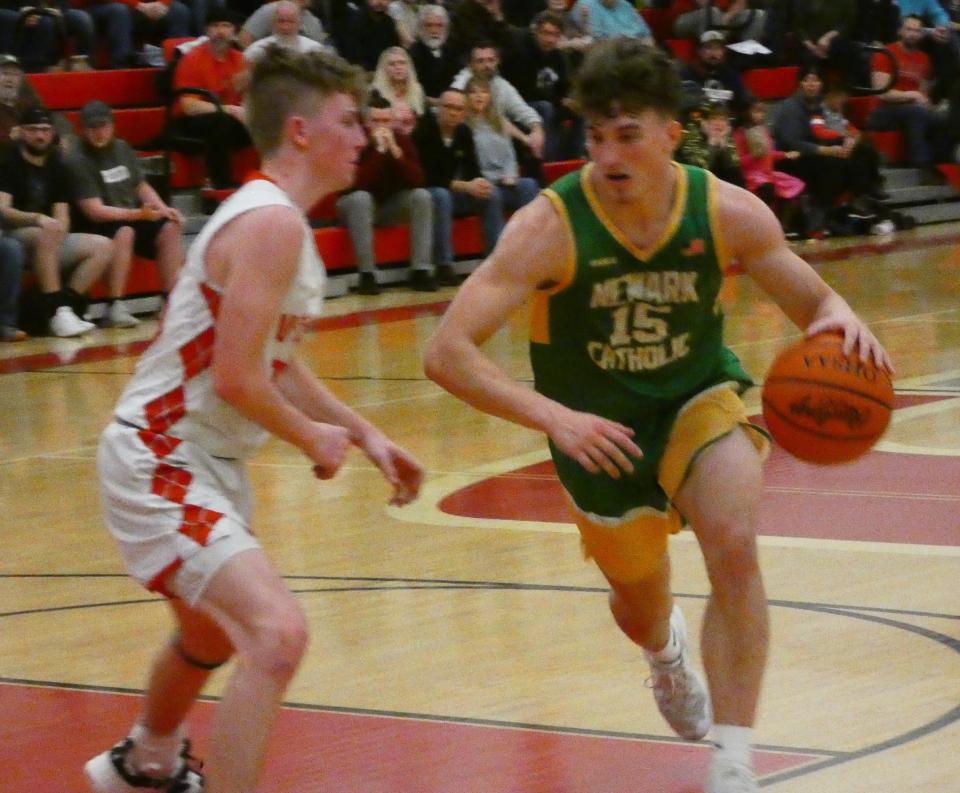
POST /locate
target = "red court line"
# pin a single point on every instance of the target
(47, 360)
(56, 730)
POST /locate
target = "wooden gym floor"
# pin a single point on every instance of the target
(461, 644)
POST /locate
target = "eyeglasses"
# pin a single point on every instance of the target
(36, 127)
(453, 107)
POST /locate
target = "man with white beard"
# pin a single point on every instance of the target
(286, 33)
(434, 60)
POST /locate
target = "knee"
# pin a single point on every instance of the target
(359, 202)
(278, 642)
(420, 200)
(731, 559)
(124, 237)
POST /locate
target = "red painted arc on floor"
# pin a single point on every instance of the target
(314, 751)
(882, 497)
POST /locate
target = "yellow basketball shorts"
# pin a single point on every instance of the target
(631, 547)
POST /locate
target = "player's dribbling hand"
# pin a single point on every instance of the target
(328, 449)
(398, 466)
(598, 444)
(855, 335)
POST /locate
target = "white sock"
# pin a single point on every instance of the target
(154, 755)
(734, 743)
(670, 652)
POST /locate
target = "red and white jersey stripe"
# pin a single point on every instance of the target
(171, 392)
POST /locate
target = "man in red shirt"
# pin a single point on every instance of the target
(218, 67)
(906, 107)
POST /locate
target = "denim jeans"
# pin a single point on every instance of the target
(11, 270)
(448, 204)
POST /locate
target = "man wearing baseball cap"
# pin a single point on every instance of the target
(35, 191)
(115, 200)
(710, 79)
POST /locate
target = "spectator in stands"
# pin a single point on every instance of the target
(113, 20)
(940, 41)
(495, 153)
(388, 189)
(367, 31)
(263, 23)
(219, 68)
(576, 36)
(537, 69)
(741, 22)
(35, 192)
(825, 30)
(114, 199)
(607, 18)
(707, 142)
(406, 16)
(433, 59)
(16, 95)
(476, 22)
(156, 20)
(11, 273)
(286, 33)
(710, 79)
(452, 175)
(906, 107)
(781, 191)
(527, 126)
(395, 79)
(44, 31)
(830, 171)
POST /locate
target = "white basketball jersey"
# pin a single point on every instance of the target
(171, 392)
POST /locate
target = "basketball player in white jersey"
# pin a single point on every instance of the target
(217, 382)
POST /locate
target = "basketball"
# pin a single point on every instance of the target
(824, 407)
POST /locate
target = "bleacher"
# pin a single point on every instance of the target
(140, 118)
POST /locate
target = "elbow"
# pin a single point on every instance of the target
(228, 386)
(434, 361)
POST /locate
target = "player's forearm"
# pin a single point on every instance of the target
(468, 374)
(252, 394)
(305, 392)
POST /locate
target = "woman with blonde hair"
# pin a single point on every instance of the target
(395, 79)
(493, 138)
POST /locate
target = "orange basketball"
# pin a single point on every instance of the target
(824, 407)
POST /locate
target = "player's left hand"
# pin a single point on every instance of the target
(856, 335)
(400, 468)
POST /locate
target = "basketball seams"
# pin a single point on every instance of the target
(825, 384)
(810, 431)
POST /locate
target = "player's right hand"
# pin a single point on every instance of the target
(327, 449)
(598, 444)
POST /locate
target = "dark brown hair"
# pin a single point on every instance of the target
(622, 75)
(285, 83)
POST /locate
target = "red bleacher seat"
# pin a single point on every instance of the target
(660, 21)
(775, 83)
(117, 87)
(952, 172)
(684, 50)
(554, 170)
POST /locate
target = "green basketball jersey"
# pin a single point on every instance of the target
(630, 323)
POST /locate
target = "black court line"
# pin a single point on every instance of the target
(830, 759)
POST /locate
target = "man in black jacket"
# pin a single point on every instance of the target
(432, 57)
(537, 68)
(453, 178)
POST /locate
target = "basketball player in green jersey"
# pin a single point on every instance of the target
(638, 396)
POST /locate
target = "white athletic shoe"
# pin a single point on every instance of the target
(727, 777)
(65, 323)
(107, 773)
(679, 690)
(117, 316)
